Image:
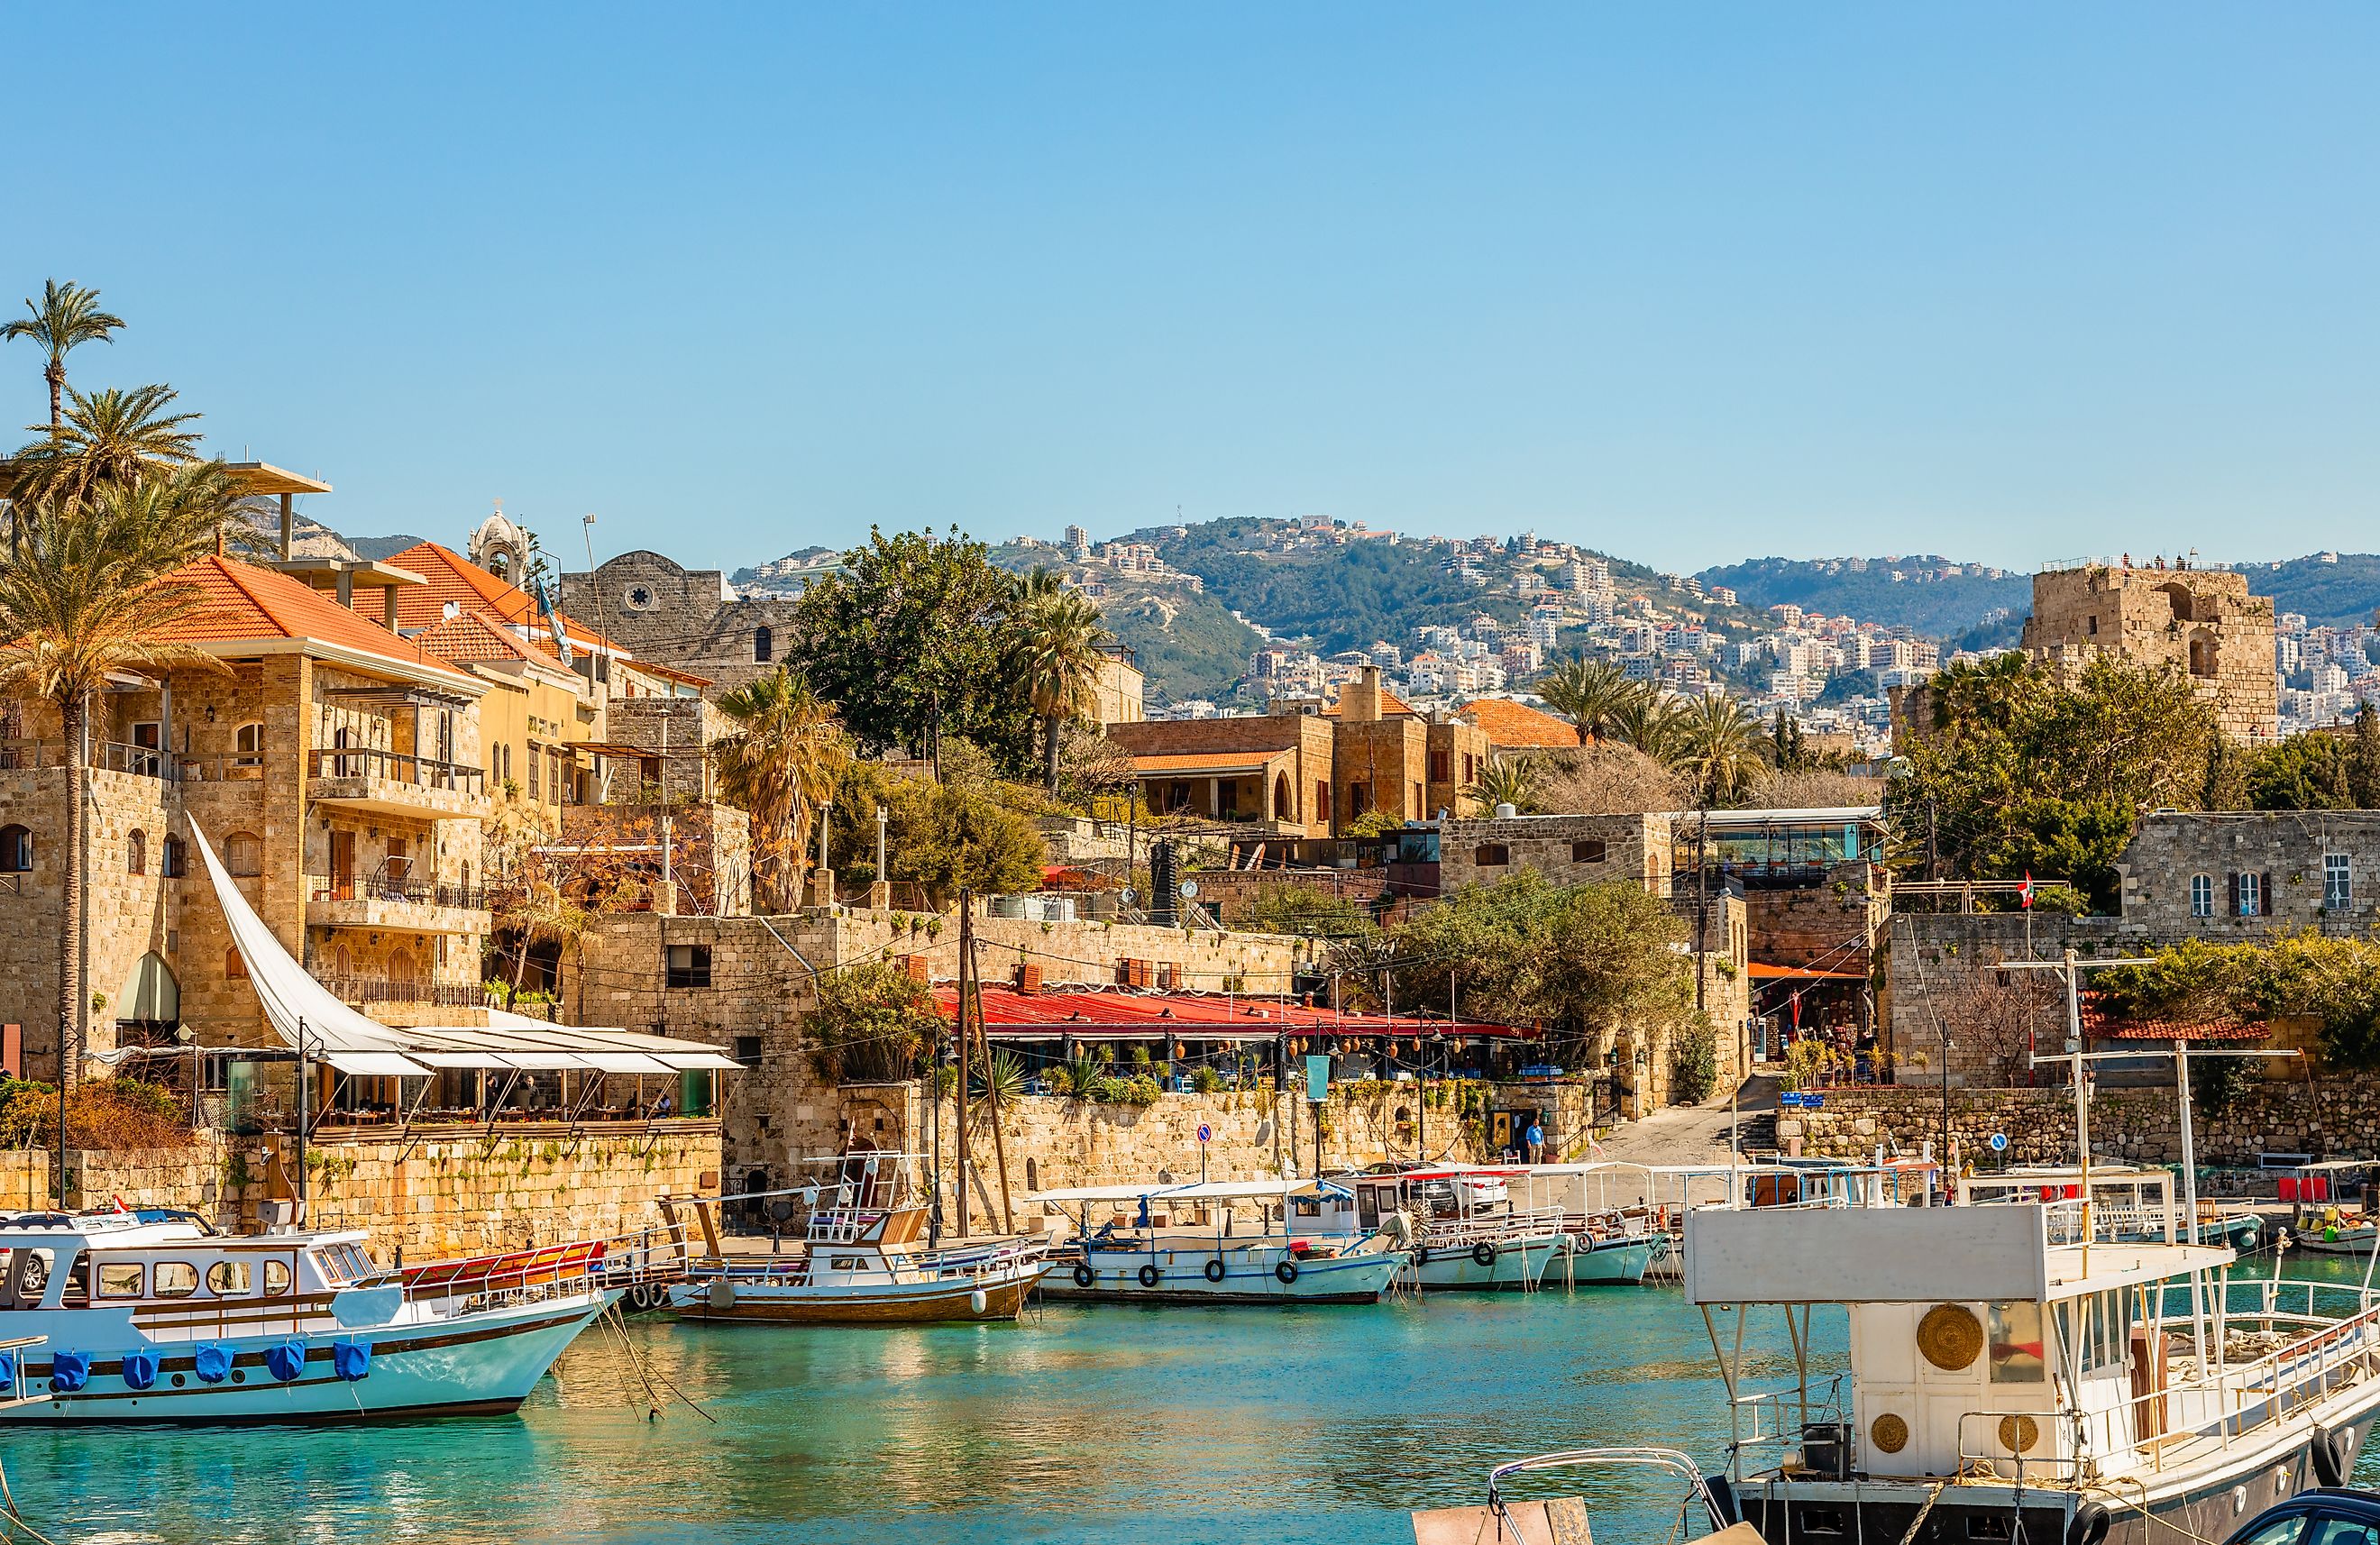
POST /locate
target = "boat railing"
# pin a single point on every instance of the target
(18, 1386)
(2008, 1439)
(1669, 1459)
(1778, 1421)
(1493, 1228)
(517, 1277)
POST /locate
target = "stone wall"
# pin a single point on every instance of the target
(1830, 927)
(2338, 1118)
(1565, 848)
(1930, 960)
(2290, 853)
(2200, 623)
(689, 619)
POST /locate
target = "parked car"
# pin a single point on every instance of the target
(2329, 1515)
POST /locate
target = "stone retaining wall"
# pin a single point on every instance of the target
(2338, 1118)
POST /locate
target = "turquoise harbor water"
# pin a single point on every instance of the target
(1294, 1428)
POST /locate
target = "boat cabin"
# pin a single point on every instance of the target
(105, 1261)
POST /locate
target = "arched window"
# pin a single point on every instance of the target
(1490, 855)
(235, 964)
(175, 858)
(2201, 656)
(400, 965)
(248, 741)
(243, 853)
(136, 852)
(343, 961)
(16, 850)
(764, 645)
(2202, 896)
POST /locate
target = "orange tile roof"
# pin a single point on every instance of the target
(246, 604)
(1174, 761)
(455, 578)
(477, 634)
(1508, 723)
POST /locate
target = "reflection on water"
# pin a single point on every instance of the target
(1298, 1426)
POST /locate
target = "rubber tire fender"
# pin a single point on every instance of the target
(1148, 1273)
(1214, 1269)
(2329, 1452)
(2089, 1524)
(1483, 1253)
(1084, 1275)
(1287, 1272)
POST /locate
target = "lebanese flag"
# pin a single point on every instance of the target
(2024, 892)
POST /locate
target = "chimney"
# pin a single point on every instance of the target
(1359, 700)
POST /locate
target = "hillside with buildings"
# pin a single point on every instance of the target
(1926, 593)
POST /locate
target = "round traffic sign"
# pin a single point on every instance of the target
(1206, 1133)
(2000, 1142)
(1189, 889)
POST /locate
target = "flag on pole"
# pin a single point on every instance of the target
(553, 621)
(2024, 892)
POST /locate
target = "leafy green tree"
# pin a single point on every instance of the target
(1584, 960)
(873, 1024)
(946, 837)
(1718, 749)
(1653, 725)
(1302, 909)
(107, 437)
(910, 643)
(2301, 772)
(2030, 771)
(1507, 780)
(67, 317)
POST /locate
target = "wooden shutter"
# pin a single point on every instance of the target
(2264, 902)
(2231, 909)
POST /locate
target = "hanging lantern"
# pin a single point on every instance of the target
(1180, 1051)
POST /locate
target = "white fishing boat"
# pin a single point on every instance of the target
(2016, 1374)
(2127, 1202)
(866, 1255)
(2330, 1207)
(157, 1319)
(1188, 1243)
(1467, 1233)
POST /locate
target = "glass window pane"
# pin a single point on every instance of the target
(119, 1278)
(2342, 1531)
(2281, 1531)
(2016, 1343)
(176, 1279)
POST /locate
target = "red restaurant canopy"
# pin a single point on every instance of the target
(1094, 1014)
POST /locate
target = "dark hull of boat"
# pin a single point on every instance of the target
(1793, 1513)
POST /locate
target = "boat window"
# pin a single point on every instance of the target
(1306, 1207)
(229, 1279)
(276, 1278)
(2016, 1343)
(845, 1263)
(119, 1278)
(33, 1275)
(174, 1279)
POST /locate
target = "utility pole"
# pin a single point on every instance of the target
(1701, 906)
(669, 887)
(881, 816)
(2071, 968)
(1933, 844)
(966, 957)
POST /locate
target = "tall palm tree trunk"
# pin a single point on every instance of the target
(1049, 722)
(75, 715)
(56, 376)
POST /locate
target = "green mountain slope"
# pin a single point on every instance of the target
(1187, 644)
(2330, 594)
(1937, 608)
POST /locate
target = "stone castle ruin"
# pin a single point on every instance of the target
(2200, 622)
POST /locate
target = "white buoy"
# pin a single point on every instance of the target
(977, 1302)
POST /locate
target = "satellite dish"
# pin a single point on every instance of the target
(1189, 890)
(451, 610)
(1129, 896)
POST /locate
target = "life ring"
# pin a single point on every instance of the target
(1483, 1253)
(1287, 1272)
(1149, 1274)
(1084, 1275)
(1214, 1270)
(2089, 1524)
(2332, 1452)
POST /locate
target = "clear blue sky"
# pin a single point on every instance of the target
(1685, 282)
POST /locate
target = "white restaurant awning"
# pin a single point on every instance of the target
(308, 1017)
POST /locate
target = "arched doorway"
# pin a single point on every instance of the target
(1282, 800)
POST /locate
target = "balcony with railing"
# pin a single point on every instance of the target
(106, 756)
(394, 782)
(398, 902)
(362, 990)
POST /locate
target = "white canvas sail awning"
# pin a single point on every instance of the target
(309, 1016)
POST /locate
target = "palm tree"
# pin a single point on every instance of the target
(1507, 780)
(107, 437)
(1593, 692)
(1719, 749)
(69, 316)
(1059, 635)
(1651, 722)
(780, 765)
(92, 591)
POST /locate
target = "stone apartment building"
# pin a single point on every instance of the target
(1310, 771)
(2200, 622)
(336, 769)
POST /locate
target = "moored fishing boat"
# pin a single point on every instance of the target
(1466, 1231)
(1186, 1243)
(866, 1258)
(2015, 1373)
(157, 1319)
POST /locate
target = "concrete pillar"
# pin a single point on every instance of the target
(289, 716)
(388, 607)
(288, 528)
(347, 589)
